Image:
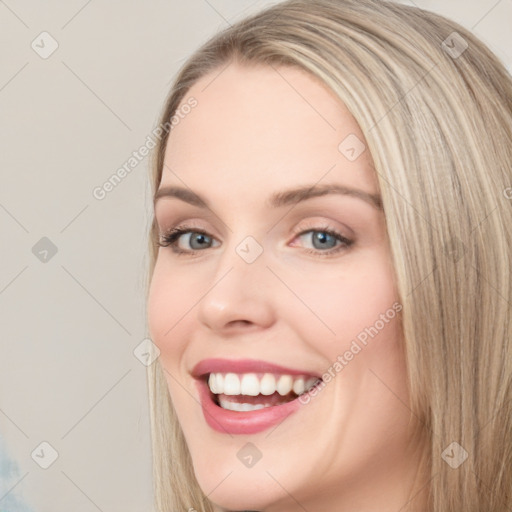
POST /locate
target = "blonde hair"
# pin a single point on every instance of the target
(435, 106)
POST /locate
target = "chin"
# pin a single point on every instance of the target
(239, 489)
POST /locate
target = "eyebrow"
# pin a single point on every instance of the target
(278, 199)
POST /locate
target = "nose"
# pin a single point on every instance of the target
(241, 295)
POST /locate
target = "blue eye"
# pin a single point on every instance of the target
(197, 236)
(326, 241)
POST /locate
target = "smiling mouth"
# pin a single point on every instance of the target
(253, 391)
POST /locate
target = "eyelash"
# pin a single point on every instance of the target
(170, 239)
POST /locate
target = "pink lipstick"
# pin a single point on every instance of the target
(249, 396)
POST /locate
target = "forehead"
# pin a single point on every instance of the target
(258, 127)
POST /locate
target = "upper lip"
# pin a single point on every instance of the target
(218, 365)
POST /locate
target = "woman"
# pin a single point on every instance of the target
(330, 283)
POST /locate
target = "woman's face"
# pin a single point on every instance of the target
(269, 289)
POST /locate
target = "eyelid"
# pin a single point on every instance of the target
(318, 223)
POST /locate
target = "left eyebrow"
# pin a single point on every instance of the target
(278, 199)
(297, 195)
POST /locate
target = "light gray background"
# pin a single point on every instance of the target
(69, 326)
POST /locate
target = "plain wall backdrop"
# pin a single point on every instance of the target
(81, 88)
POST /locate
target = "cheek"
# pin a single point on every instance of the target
(167, 307)
(340, 303)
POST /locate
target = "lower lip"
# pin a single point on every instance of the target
(246, 422)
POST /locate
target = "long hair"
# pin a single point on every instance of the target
(435, 106)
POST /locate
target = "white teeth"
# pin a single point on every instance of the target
(284, 384)
(299, 386)
(249, 384)
(233, 406)
(231, 385)
(268, 384)
(216, 382)
(212, 383)
(219, 382)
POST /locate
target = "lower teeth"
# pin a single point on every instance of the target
(234, 406)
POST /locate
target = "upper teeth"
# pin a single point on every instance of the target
(251, 384)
